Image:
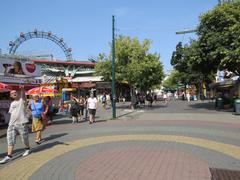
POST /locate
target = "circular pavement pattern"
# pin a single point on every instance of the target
(25, 167)
(142, 163)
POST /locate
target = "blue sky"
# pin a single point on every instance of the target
(86, 25)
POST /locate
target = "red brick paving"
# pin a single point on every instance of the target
(142, 163)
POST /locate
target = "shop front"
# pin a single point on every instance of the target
(227, 91)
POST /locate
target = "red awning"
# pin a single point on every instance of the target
(58, 62)
(26, 87)
(5, 87)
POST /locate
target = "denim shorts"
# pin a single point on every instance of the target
(12, 131)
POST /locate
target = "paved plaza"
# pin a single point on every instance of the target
(179, 141)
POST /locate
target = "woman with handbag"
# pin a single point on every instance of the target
(37, 108)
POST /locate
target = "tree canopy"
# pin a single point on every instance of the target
(134, 64)
(217, 46)
(219, 37)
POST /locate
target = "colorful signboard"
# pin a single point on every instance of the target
(19, 71)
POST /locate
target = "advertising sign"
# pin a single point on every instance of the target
(19, 71)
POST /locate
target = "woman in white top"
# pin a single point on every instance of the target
(92, 103)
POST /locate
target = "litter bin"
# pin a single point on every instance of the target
(219, 103)
(237, 106)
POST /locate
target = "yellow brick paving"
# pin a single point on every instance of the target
(25, 167)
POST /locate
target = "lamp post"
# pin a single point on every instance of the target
(113, 70)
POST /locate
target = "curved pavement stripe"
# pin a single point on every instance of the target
(25, 167)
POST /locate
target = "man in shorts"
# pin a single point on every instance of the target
(17, 124)
(92, 103)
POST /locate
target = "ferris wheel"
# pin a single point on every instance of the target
(41, 34)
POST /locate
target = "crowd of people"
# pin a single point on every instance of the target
(40, 111)
(141, 99)
(76, 108)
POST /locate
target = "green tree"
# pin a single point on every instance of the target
(134, 64)
(191, 69)
(219, 37)
(173, 80)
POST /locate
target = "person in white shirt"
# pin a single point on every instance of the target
(17, 124)
(92, 104)
(188, 96)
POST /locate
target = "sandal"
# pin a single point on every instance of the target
(37, 142)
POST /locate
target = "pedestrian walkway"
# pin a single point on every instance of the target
(174, 142)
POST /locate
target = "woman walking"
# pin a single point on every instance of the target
(81, 103)
(37, 109)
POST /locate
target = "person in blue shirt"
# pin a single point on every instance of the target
(37, 108)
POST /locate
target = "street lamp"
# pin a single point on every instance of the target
(113, 70)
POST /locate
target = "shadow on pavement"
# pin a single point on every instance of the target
(204, 105)
(100, 121)
(60, 115)
(47, 146)
(69, 121)
(54, 136)
(3, 135)
(15, 152)
(125, 114)
(18, 152)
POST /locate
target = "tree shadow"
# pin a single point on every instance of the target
(204, 105)
(150, 108)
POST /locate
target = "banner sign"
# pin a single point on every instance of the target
(19, 71)
(20, 80)
(14, 67)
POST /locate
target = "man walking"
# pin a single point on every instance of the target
(17, 124)
(92, 107)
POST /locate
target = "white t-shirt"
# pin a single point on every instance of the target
(18, 113)
(164, 96)
(92, 103)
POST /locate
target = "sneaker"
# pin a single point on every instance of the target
(5, 160)
(26, 152)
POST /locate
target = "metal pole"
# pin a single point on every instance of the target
(113, 70)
